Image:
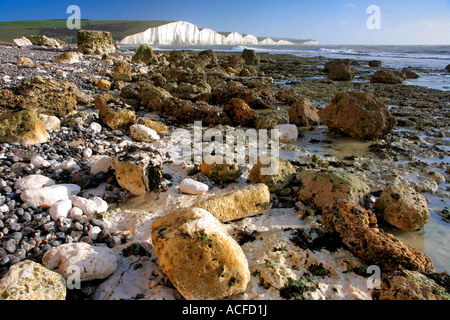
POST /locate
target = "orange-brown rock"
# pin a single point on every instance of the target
(358, 229)
(239, 112)
(359, 115)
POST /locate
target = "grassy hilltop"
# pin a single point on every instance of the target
(58, 29)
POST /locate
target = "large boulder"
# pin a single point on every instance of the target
(340, 70)
(144, 55)
(28, 280)
(24, 127)
(321, 188)
(359, 115)
(199, 256)
(238, 203)
(93, 41)
(358, 229)
(251, 57)
(303, 113)
(88, 261)
(410, 285)
(138, 170)
(387, 77)
(48, 96)
(403, 207)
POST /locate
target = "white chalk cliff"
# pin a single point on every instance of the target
(186, 33)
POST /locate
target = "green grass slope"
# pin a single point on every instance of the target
(119, 29)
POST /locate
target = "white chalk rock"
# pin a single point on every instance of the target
(101, 165)
(193, 187)
(142, 133)
(75, 213)
(286, 132)
(93, 232)
(22, 42)
(87, 153)
(90, 206)
(33, 181)
(90, 262)
(49, 195)
(95, 127)
(39, 162)
(60, 209)
(70, 165)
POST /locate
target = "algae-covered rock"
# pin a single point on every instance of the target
(28, 280)
(282, 175)
(410, 285)
(403, 207)
(220, 169)
(42, 40)
(144, 55)
(198, 255)
(24, 127)
(322, 188)
(93, 41)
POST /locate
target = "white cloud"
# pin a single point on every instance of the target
(350, 5)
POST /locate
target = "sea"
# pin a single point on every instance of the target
(430, 61)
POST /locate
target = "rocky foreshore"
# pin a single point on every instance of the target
(95, 205)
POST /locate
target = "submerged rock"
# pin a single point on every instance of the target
(358, 115)
(198, 255)
(28, 280)
(359, 231)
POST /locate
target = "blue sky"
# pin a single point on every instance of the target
(329, 22)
